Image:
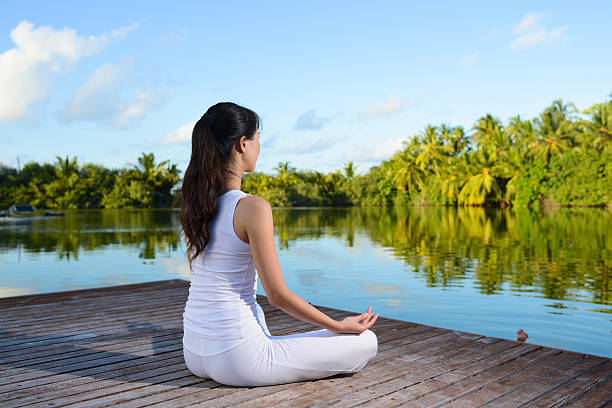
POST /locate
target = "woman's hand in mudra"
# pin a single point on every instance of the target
(357, 324)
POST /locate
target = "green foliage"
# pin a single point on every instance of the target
(555, 157)
(530, 185)
(581, 178)
(66, 185)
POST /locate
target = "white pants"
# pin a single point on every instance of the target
(262, 359)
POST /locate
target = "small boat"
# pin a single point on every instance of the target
(53, 214)
(21, 209)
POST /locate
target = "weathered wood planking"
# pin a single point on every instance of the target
(121, 346)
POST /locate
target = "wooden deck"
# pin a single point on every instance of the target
(121, 346)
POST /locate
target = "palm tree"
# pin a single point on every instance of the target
(599, 128)
(511, 162)
(431, 149)
(64, 189)
(486, 130)
(554, 130)
(349, 170)
(481, 183)
(404, 171)
(149, 171)
(456, 140)
(66, 167)
(453, 177)
(522, 132)
(285, 174)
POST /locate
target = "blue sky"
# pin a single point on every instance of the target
(332, 81)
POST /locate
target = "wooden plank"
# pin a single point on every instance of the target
(360, 395)
(413, 385)
(556, 376)
(490, 383)
(127, 390)
(84, 310)
(122, 346)
(22, 354)
(70, 393)
(139, 370)
(88, 336)
(598, 398)
(14, 302)
(588, 381)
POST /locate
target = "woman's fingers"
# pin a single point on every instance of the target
(371, 322)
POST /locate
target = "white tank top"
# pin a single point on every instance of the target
(222, 306)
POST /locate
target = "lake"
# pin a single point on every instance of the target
(482, 270)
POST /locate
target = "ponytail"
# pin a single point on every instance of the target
(212, 141)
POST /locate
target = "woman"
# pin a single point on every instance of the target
(230, 241)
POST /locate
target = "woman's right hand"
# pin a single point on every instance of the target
(357, 324)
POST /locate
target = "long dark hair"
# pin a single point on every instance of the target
(212, 140)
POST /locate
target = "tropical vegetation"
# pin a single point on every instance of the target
(557, 158)
(66, 184)
(561, 157)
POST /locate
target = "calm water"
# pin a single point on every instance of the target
(487, 271)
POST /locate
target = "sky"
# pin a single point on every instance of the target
(105, 81)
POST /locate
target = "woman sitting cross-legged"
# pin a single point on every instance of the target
(230, 242)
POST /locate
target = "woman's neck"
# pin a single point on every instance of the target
(233, 181)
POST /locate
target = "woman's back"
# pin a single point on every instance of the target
(225, 335)
(222, 296)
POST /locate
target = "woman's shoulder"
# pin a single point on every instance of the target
(254, 204)
(252, 212)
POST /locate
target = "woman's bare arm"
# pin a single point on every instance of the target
(254, 214)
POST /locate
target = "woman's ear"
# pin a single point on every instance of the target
(241, 144)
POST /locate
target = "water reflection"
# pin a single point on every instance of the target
(565, 254)
(150, 231)
(561, 254)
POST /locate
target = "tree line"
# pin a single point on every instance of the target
(558, 157)
(66, 184)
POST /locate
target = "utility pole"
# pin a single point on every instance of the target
(18, 165)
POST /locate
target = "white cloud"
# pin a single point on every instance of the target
(529, 32)
(310, 120)
(470, 59)
(104, 98)
(314, 146)
(173, 36)
(27, 70)
(181, 134)
(388, 107)
(375, 153)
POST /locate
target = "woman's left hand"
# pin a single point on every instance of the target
(357, 324)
